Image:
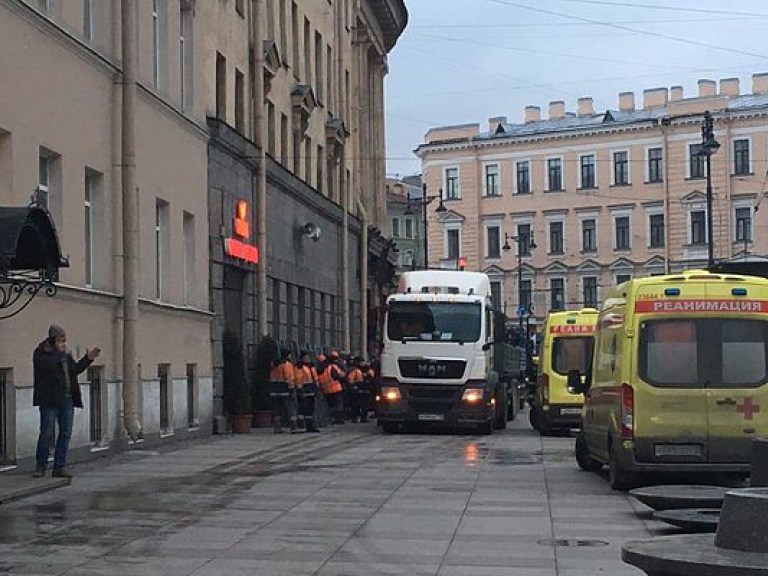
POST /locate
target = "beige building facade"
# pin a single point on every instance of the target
(594, 198)
(60, 142)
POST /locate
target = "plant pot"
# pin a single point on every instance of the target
(262, 418)
(241, 424)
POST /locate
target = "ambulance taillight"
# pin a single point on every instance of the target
(544, 386)
(627, 411)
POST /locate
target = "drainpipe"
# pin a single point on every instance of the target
(363, 279)
(346, 342)
(730, 236)
(665, 124)
(131, 412)
(261, 173)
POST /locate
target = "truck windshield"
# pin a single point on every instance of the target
(434, 321)
(572, 353)
(704, 353)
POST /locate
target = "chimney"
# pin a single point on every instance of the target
(585, 106)
(627, 101)
(655, 97)
(707, 88)
(729, 87)
(676, 93)
(760, 83)
(556, 109)
(493, 123)
(532, 114)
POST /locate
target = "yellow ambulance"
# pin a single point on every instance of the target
(679, 377)
(567, 343)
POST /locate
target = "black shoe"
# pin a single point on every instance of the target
(60, 473)
(39, 473)
(313, 430)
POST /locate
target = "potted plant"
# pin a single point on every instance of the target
(237, 392)
(266, 352)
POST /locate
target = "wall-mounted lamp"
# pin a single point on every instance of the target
(311, 231)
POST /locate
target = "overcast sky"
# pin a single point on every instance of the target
(465, 61)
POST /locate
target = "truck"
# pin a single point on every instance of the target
(446, 357)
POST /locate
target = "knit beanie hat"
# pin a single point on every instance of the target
(55, 331)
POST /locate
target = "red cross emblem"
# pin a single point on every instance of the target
(748, 408)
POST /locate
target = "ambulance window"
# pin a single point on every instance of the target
(574, 353)
(669, 352)
(743, 355)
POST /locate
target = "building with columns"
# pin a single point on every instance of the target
(583, 200)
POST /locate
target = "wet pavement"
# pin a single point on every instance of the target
(351, 501)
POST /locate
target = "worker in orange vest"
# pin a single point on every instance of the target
(305, 378)
(331, 378)
(369, 377)
(356, 381)
(283, 393)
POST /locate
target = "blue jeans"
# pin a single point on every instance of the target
(49, 416)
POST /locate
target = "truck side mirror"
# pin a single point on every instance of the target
(574, 382)
(487, 346)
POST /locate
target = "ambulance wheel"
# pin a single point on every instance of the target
(390, 427)
(583, 459)
(619, 479)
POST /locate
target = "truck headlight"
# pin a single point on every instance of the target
(472, 395)
(391, 393)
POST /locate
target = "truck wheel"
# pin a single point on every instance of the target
(512, 405)
(583, 459)
(486, 429)
(390, 427)
(500, 420)
(534, 418)
(619, 479)
(521, 399)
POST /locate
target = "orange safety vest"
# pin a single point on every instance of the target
(304, 376)
(282, 374)
(329, 383)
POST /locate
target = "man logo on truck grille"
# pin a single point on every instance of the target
(432, 369)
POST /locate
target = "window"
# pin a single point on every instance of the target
(284, 133)
(96, 404)
(307, 52)
(6, 381)
(320, 184)
(308, 161)
(395, 227)
(588, 177)
(554, 174)
(698, 227)
(406, 259)
(621, 168)
(88, 20)
(92, 186)
(49, 184)
(270, 17)
(696, 161)
(496, 294)
(221, 87)
(589, 235)
(409, 227)
(44, 180)
(492, 180)
(163, 375)
(295, 39)
(557, 293)
(329, 79)
(453, 244)
(589, 291)
(162, 248)
(623, 241)
(523, 177)
(192, 396)
(271, 129)
(188, 226)
(239, 101)
(185, 55)
(320, 81)
(525, 293)
(434, 321)
(656, 222)
(524, 239)
(655, 165)
(743, 225)
(283, 29)
(691, 353)
(451, 183)
(621, 278)
(493, 242)
(572, 353)
(156, 43)
(741, 163)
(556, 237)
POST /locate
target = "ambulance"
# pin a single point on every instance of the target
(679, 377)
(567, 344)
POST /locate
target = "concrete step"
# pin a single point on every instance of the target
(14, 485)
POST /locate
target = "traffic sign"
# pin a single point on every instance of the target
(521, 310)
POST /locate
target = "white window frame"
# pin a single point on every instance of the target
(486, 192)
(502, 295)
(408, 221)
(589, 216)
(565, 290)
(492, 224)
(582, 277)
(655, 211)
(736, 204)
(395, 223)
(451, 226)
(647, 163)
(613, 165)
(190, 256)
(155, 44)
(562, 173)
(445, 182)
(530, 176)
(688, 166)
(88, 231)
(621, 214)
(690, 209)
(751, 156)
(595, 156)
(619, 273)
(88, 20)
(551, 220)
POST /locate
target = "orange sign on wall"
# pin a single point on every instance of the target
(236, 247)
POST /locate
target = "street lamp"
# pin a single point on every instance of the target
(708, 147)
(523, 241)
(423, 202)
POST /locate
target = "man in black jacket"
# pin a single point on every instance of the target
(57, 393)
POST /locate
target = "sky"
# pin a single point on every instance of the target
(464, 61)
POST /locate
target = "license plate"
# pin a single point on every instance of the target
(677, 450)
(431, 417)
(570, 410)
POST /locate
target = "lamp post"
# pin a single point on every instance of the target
(423, 202)
(521, 240)
(708, 147)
